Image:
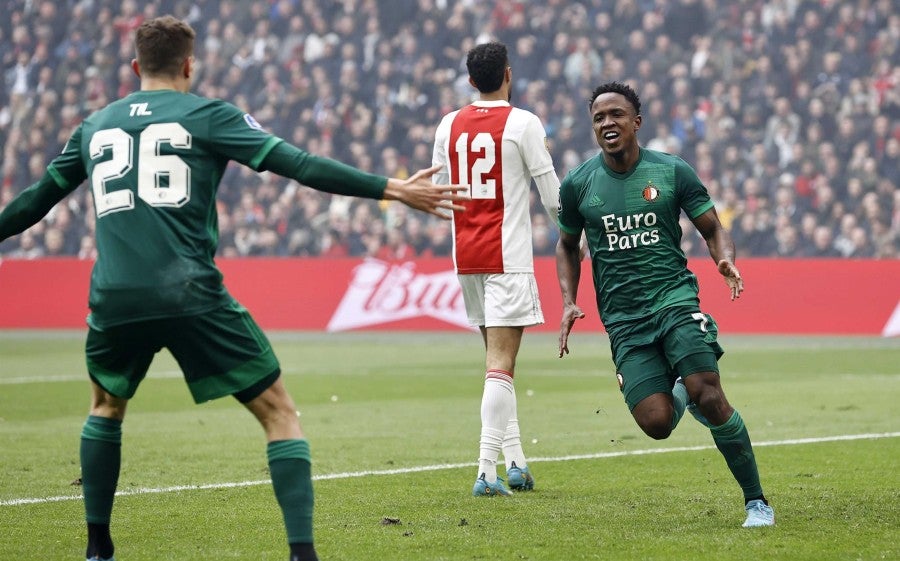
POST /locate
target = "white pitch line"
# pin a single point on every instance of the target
(438, 467)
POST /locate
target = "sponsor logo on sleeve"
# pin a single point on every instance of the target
(251, 122)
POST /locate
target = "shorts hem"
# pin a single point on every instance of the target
(255, 390)
(514, 323)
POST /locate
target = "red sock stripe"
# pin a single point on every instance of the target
(498, 374)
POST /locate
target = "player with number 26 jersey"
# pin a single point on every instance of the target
(122, 149)
(154, 160)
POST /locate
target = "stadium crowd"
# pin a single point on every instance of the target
(789, 110)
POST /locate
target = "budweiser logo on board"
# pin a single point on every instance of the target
(381, 292)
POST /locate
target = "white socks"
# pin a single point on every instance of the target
(512, 444)
(499, 425)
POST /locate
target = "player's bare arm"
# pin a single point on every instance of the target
(420, 193)
(568, 271)
(721, 249)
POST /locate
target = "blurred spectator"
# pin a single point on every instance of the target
(396, 247)
(29, 248)
(789, 111)
(823, 244)
(787, 241)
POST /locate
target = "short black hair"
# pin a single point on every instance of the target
(162, 44)
(486, 64)
(619, 88)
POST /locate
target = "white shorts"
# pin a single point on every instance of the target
(501, 299)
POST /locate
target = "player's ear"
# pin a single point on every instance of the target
(638, 119)
(187, 69)
(472, 82)
(135, 67)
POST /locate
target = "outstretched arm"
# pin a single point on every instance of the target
(721, 249)
(421, 194)
(29, 206)
(325, 174)
(568, 271)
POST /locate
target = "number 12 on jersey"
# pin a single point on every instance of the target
(483, 184)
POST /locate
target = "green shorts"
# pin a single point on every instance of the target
(651, 353)
(221, 352)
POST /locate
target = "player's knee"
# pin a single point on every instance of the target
(712, 403)
(656, 426)
(658, 432)
(654, 415)
(283, 413)
(275, 411)
(104, 404)
(709, 396)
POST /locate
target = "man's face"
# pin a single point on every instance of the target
(615, 122)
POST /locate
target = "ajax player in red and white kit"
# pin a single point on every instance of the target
(497, 149)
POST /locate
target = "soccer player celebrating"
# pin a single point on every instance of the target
(154, 160)
(628, 199)
(497, 149)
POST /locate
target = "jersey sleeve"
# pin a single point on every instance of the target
(570, 219)
(535, 151)
(237, 136)
(323, 174)
(692, 194)
(67, 169)
(548, 188)
(64, 174)
(439, 154)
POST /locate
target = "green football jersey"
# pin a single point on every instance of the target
(154, 160)
(631, 224)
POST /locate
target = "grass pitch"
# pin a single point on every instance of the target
(393, 420)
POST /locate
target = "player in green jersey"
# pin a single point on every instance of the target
(627, 200)
(154, 160)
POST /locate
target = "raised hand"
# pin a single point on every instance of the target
(420, 193)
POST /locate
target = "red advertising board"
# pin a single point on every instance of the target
(854, 297)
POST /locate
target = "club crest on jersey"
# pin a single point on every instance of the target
(650, 192)
(251, 122)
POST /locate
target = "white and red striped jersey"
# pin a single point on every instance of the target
(496, 149)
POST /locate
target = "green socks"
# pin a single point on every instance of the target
(679, 402)
(101, 457)
(289, 465)
(733, 441)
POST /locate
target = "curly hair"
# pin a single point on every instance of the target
(619, 88)
(486, 64)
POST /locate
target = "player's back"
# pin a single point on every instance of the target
(496, 149)
(154, 160)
